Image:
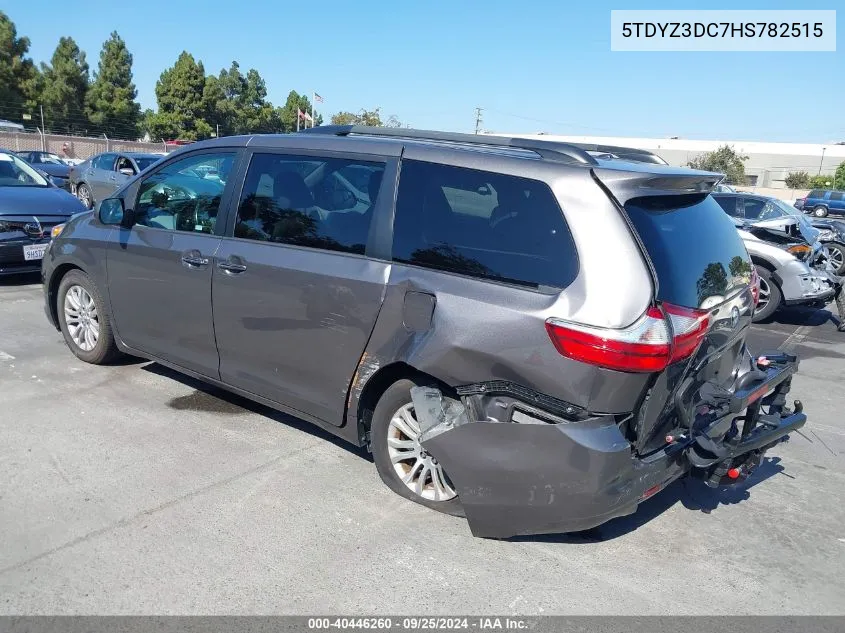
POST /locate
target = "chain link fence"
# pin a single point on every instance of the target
(76, 147)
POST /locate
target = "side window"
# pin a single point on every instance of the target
(125, 163)
(105, 161)
(836, 195)
(728, 203)
(753, 208)
(177, 197)
(308, 201)
(816, 193)
(482, 224)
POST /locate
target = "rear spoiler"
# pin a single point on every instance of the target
(626, 183)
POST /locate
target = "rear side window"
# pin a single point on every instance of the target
(104, 161)
(816, 193)
(696, 250)
(728, 203)
(308, 201)
(482, 224)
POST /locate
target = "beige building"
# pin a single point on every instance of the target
(767, 165)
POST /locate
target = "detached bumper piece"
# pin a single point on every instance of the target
(520, 469)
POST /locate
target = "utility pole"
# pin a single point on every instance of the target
(821, 162)
(43, 129)
(478, 120)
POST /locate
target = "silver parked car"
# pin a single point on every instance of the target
(447, 301)
(792, 271)
(100, 176)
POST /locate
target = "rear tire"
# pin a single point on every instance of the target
(421, 471)
(820, 212)
(773, 295)
(84, 321)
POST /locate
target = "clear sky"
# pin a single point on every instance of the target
(533, 65)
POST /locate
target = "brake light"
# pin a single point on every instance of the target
(649, 345)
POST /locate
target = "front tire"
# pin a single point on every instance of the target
(85, 324)
(837, 256)
(84, 195)
(820, 212)
(403, 465)
(770, 296)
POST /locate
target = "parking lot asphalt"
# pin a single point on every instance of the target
(132, 490)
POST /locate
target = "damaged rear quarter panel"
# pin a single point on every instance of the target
(482, 331)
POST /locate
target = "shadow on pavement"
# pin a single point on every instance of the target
(212, 399)
(691, 493)
(26, 279)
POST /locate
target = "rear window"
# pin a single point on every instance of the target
(482, 224)
(695, 248)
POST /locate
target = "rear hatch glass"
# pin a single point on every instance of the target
(695, 248)
(700, 262)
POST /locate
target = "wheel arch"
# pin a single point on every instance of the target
(379, 382)
(53, 288)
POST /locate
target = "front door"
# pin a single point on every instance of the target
(160, 269)
(295, 298)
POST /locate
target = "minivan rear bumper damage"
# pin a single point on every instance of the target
(541, 473)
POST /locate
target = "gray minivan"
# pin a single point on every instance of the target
(520, 332)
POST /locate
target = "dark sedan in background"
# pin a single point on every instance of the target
(30, 208)
(98, 177)
(57, 170)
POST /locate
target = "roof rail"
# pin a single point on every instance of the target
(549, 150)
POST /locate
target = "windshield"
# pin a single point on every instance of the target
(14, 172)
(146, 161)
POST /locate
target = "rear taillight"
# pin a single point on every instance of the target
(649, 345)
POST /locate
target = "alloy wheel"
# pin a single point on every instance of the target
(836, 258)
(417, 469)
(81, 318)
(765, 294)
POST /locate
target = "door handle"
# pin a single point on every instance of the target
(231, 266)
(194, 259)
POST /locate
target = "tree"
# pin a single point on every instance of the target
(110, 103)
(839, 177)
(797, 180)
(238, 103)
(181, 101)
(65, 87)
(287, 113)
(371, 118)
(20, 80)
(724, 160)
(821, 182)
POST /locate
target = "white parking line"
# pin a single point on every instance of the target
(5, 356)
(794, 340)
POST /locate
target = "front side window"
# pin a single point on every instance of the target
(324, 203)
(482, 224)
(836, 195)
(124, 163)
(760, 210)
(178, 198)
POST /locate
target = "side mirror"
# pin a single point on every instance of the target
(112, 213)
(127, 171)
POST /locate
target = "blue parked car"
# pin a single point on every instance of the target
(820, 202)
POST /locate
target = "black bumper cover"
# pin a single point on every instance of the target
(516, 478)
